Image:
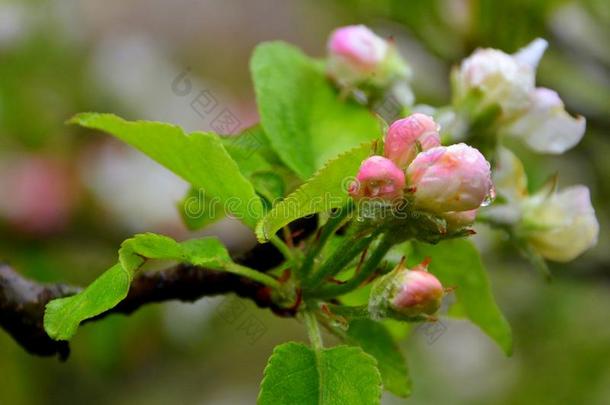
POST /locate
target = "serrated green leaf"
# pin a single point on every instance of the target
(199, 158)
(457, 264)
(374, 339)
(301, 113)
(326, 190)
(62, 316)
(342, 375)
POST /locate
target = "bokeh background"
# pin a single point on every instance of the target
(68, 197)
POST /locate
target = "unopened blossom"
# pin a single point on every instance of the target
(408, 136)
(415, 292)
(450, 178)
(545, 126)
(562, 225)
(357, 55)
(378, 177)
(499, 78)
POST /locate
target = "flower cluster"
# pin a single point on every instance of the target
(451, 182)
(494, 95)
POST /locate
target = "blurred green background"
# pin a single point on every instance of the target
(68, 199)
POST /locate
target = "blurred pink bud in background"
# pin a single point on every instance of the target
(38, 194)
(358, 47)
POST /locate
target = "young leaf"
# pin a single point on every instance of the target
(457, 263)
(62, 316)
(297, 375)
(199, 158)
(375, 339)
(326, 190)
(301, 113)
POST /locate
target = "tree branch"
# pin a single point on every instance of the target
(23, 301)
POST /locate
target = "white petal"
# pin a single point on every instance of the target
(556, 134)
(546, 127)
(532, 53)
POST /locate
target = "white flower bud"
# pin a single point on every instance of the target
(561, 226)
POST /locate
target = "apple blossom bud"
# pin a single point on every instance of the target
(502, 79)
(450, 178)
(416, 292)
(356, 55)
(404, 135)
(357, 46)
(562, 225)
(545, 126)
(378, 177)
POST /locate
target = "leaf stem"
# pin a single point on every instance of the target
(341, 257)
(253, 274)
(282, 247)
(329, 228)
(313, 330)
(365, 272)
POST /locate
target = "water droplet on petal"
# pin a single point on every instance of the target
(489, 198)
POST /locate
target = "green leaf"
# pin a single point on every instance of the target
(256, 161)
(301, 113)
(198, 158)
(62, 316)
(326, 190)
(198, 210)
(342, 375)
(457, 263)
(376, 340)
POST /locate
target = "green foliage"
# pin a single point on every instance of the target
(62, 316)
(199, 158)
(457, 264)
(302, 115)
(326, 190)
(376, 340)
(298, 375)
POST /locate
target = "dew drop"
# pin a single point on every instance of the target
(489, 198)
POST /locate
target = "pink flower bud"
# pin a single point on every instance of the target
(452, 178)
(357, 46)
(418, 292)
(378, 177)
(404, 134)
